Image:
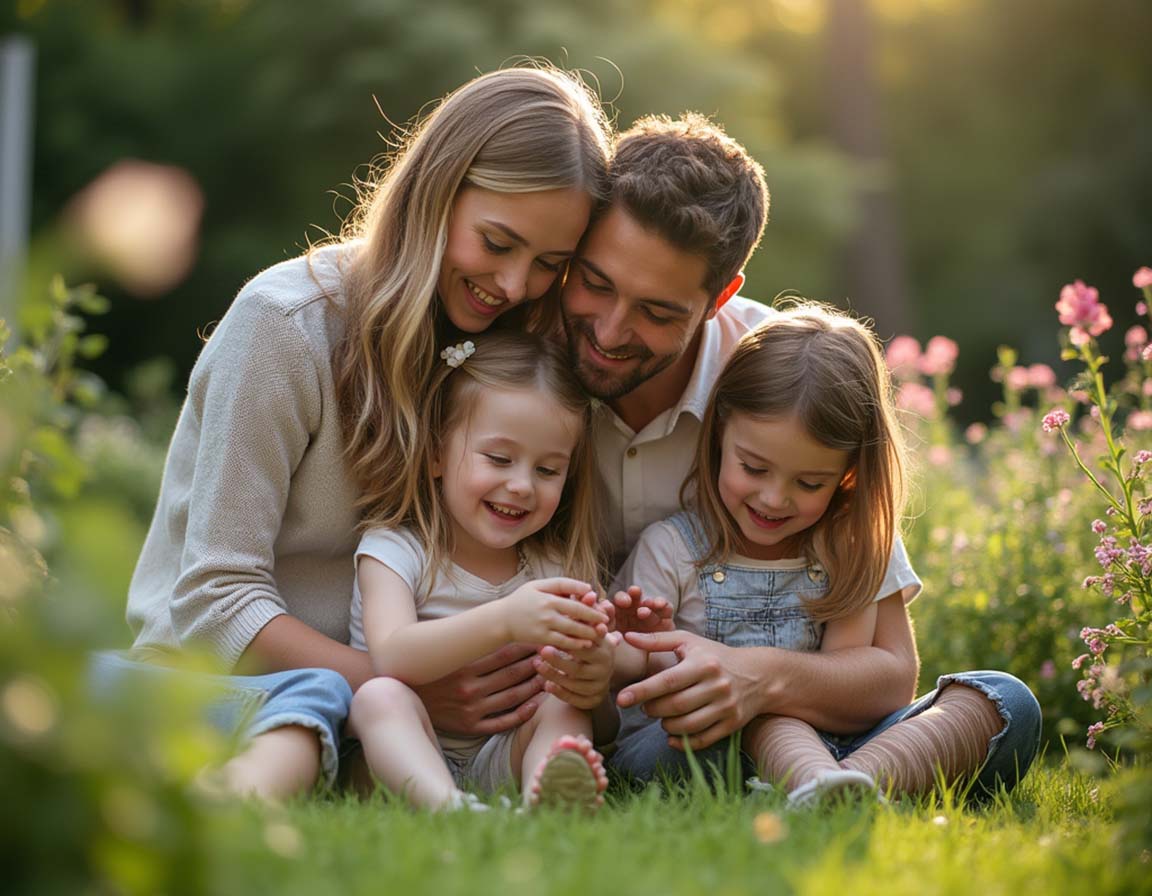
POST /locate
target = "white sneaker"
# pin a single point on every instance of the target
(844, 785)
(467, 802)
(759, 786)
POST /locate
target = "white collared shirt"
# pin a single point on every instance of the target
(641, 472)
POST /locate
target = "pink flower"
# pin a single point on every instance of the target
(1140, 421)
(1041, 376)
(939, 455)
(1080, 308)
(1099, 527)
(1079, 661)
(1017, 379)
(1142, 457)
(1048, 669)
(953, 396)
(902, 355)
(1054, 420)
(1094, 730)
(939, 356)
(976, 433)
(1135, 339)
(1142, 279)
(917, 398)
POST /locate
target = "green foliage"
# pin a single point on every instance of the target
(95, 781)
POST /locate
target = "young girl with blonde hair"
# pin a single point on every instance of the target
(303, 410)
(799, 486)
(496, 545)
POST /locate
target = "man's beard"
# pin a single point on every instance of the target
(595, 381)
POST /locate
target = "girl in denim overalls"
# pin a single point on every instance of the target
(799, 487)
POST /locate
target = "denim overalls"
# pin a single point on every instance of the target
(756, 607)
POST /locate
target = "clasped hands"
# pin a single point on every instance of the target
(702, 697)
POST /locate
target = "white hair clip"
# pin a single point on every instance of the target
(457, 354)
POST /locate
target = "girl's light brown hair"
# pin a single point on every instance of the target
(827, 370)
(517, 130)
(505, 360)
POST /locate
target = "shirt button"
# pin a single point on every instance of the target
(718, 576)
(631, 452)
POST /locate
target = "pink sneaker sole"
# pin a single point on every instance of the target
(567, 781)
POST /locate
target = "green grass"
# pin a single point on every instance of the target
(1054, 835)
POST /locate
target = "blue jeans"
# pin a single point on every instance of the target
(646, 754)
(246, 705)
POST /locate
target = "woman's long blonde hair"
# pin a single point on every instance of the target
(827, 370)
(506, 360)
(517, 130)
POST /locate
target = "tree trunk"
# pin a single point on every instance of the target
(873, 269)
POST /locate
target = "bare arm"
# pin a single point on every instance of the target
(421, 652)
(715, 690)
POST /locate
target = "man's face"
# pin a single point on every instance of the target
(632, 305)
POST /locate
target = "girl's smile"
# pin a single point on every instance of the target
(502, 473)
(775, 481)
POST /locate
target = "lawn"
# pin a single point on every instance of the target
(1053, 835)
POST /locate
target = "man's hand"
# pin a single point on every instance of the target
(635, 613)
(706, 696)
(494, 694)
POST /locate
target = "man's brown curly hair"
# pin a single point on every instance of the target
(690, 183)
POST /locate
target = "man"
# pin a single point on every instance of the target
(650, 316)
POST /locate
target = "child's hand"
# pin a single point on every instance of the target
(636, 613)
(578, 677)
(545, 613)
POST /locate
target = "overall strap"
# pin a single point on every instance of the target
(690, 529)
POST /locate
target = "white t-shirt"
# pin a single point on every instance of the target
(452, 590)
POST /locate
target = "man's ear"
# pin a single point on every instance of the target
(726, 293)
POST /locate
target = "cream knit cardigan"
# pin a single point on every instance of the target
(255, 516)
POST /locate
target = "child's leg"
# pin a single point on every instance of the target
(277, 764)
(950, 738)
(400, 745)
(553, 756)
(788, 752)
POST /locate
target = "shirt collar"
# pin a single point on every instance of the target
(705, 372)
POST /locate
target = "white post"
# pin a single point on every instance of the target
(17, 79)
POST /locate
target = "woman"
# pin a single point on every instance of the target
(303, 406)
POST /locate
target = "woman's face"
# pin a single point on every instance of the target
(506, 248)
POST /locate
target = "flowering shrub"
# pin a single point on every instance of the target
(999, 529)
(1006, 528)
(1117, 669)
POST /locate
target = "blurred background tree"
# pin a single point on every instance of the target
(942, 165)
